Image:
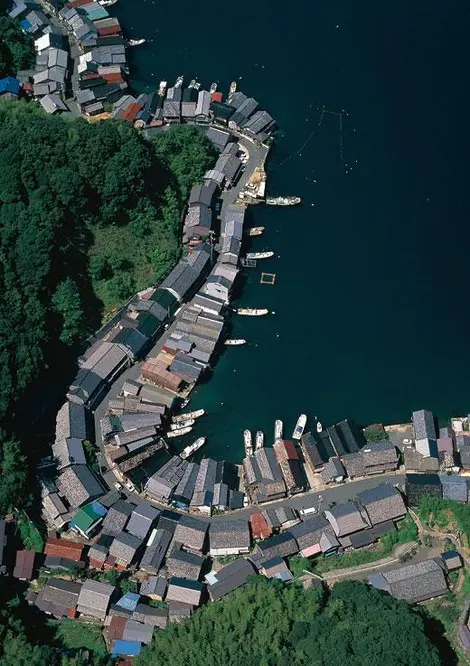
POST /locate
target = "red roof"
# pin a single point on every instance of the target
(131, 112)
(24, 564)
(110, 31)
(64, 548)
(113, 78)
(78, 3)
(259, 527)
(290, 449)
(72, 612)
(216, 96)
(115, 629)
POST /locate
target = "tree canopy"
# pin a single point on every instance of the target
(16, 47)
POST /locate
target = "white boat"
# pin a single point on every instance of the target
(259, 440)
(192, 83)
(233, 87)
(235, 341)
(196, 85)
(181, 425)
(213, 88)
(259, 255)
(278, 427)
(188, 416)
(319, 426)
(185, 403)
(255, 231)
(107, 3)
(252, 312)
(283, 201)
(135, 42)
(299, 427)
(178, 433)
(162, 88)
(248, 443)
(192, 448)
(179, 82)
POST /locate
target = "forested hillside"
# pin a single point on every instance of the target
(89, 213)
(16, 47)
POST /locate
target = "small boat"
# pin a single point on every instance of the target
(162, 88)
(188, 416)
(192, 448)
(135, 42)
(178, 433)
(107, 3)
(255, 231)
(278, 427)
(185, 403)
(283, 201)
(179, 82)
(319, 426)
(181, 425)
(259, 440)
(192, 83)
(196, 85)
(252, 312)
(248, 444)
(299, 427)
(233, 87)
(259, 255)
(213, 88)
(235, 342)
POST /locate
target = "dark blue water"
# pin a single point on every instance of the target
(372, 287)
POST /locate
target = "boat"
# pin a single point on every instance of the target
(283, 201)
(235, 341)
(107, 3)
(248, 444)
(192, 448)
(255, 231)
(259, 440)
(299, 427)
(252, 312)
(278, 426)
(181, 425)
(259, 255)
(179, 82)
(185, 403)
(233, 87)
(187, 417)
(192, 83)
(213, 88)
(178, 433)
(135, 42)
(197, 85)
(162, 88)
(319, 426)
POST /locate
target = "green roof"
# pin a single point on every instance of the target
(88, 515)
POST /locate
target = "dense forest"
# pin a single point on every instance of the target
(16, 48)
(89, 214)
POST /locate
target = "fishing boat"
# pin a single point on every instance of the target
(283, 201)
(107, 3)
(299, 427)
(196, 85)
(248, 443)
(235, 342)
(192, 83)
(162, 88)
(278, 427)
(192, 448)
(252, 312)
(259, 255)
(135, 42)
(188, 416)
(255, 231)
(181, 425)
(259, 440)
(185, 403)
(319, 426)
(178, 433)
(213, 88)
(233, 87)
(179, 82)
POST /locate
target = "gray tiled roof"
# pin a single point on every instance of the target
(283, 545)
(423, 424)
(142, 519)
(153, 617)
(382, 503)
(346, 519)
(184, 565)
(94, 598)
(315, 531)
(380, 453)
(413, 582)
(185, 591)
(79, 485)
(333, 469)
(191, 532)
(61, 592)
(454, 488)
(229, 578)
(156, 549)
(227, 534)
(117, 517)
(135, 631)
(354, 464)
(154, 585)
(124, 547)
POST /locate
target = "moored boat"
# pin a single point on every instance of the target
(259, 440)
(300, 427)
(278, 427)
(283, 201)
(181, 425)
(185, 403)
(107, 3)
(188, 416)
(135, 42)
(255, 231)
(248, 443)
(319, 426)
(252, 312)
(233, 87)
(192, 83)
(179, 82)
(259, 255)
(179, 433)
(192, 448)
(162, 88)
(235, 341)
(213, 88)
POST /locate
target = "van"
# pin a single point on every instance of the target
(305, 511)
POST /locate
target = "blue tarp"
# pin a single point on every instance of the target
(9, 85)
(129, 601)
(126, 648)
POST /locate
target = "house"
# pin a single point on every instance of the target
(9, 87)
(423, 425)
(382, 503)
(97, 555)
(316, 453)
(419, 485)
(129, 601)
(59, 597)
(229, 578)
(333, 471)
(79, 485)
(314, 536)
(117, 517)
(452, 560)
(68, 451)
(178, 611)
(282, 545)
(87, 519)
(229, 537)
(121, 648)
(124, 548)
(94, 598)
(259, 526)
(417, 461)
(218, 137)
(354, 464)
(184, 490)
(202, 194)
(71, 424)
(155, 551)
(142, 519)
(154, 587)
(413, 582)
(276, 568)
(54, 511)
(191, 533)
(281, 517)
(67, 548)
(427, 447)
(346, 519)
(184, 565)
(24, 564)
(152, 617)
(289, 462)
(263, 475)
(185, 591)
(379, 457)
(202, 110)
(454, 487)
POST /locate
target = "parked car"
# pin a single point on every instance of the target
(117, 485)
(130, 486)
(305, 511)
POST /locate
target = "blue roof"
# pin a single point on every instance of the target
(126, 648)
(448, 555)
(129, 601)
(9, 84)
(26, 25)
(99, 508)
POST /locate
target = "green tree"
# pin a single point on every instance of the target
(13, 479)
(67, 303)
